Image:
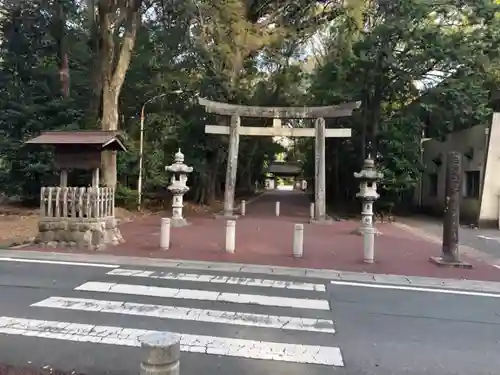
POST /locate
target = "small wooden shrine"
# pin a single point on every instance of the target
(82, 216)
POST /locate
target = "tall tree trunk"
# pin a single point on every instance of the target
(212, 187)
(249, 166)
(95, 102)
(113, 74)
(58, 32)
(63, 52)
(336, 173)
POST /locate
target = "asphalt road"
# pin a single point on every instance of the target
(297, 327)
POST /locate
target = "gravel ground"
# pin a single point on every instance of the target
(19, 225)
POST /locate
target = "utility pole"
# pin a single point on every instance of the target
(141, 144)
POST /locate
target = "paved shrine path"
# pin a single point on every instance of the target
(262, 238)
(294, 205)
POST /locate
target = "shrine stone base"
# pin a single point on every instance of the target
(176, 223)
(87, 233)
(226, 216)
(325, 221)
(441, 262)
(359, 231)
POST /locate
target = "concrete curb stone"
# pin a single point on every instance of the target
(321, 275)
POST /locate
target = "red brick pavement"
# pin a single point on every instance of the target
(261, 238)
(293, 206)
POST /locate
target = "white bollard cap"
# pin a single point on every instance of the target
(159, 339)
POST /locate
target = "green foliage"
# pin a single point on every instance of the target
(405, 42)
(126, 197)
(28, 106)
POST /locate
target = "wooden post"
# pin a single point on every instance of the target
(232, 165)
(451, 218)
(65, 202)
(43, 211)
(58, 203)
(73, 201)
(81, 195)
(88, 202)
(63, 178)
(320, 171)
(95, 178)
(50, 211)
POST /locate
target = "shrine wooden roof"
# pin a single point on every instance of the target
(106, 140)
(285, 168)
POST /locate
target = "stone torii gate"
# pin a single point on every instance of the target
(277, 113)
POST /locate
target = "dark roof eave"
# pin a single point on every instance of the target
(102, 139)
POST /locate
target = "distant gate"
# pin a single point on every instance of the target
(278, 113)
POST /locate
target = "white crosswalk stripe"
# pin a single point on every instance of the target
(190, 343)
(304, 315)
(185, 313)
(216, 279)
(206, 295)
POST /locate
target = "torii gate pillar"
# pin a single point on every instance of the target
(232, 166)
(320, 171)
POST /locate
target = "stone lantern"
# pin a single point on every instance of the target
(368, 178)
(178, 187)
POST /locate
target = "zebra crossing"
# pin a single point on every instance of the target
(289, 308)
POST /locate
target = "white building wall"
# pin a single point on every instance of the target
(474, 143)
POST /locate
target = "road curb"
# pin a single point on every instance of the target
(320, 274)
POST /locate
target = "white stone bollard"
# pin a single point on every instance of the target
(165, 233)
(311, 211)
(298, 240)
(163, 350)
(243, 207)
(230, 236)
(369, 244)
(277, 209)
